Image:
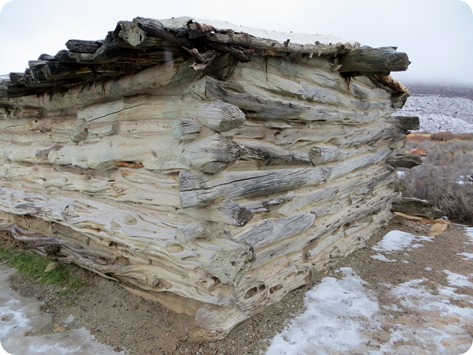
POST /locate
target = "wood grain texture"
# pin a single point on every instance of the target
(215, 184)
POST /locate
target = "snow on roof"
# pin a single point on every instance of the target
(299, 38)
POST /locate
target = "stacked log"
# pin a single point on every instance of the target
(213, 184)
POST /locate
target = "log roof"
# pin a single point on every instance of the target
(144, 42)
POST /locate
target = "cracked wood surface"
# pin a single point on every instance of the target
(215, 192)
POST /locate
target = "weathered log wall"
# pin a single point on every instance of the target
(213, 195)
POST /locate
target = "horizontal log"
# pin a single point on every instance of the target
(227, 212)
(302, 137)
(356, 183)
(81, 46)
(74, 99)
(407, 123)
(407, 161)
(119, 262)
(399, 93)
(274, 230)
(416, 207)
(105, 148)
(150, 189)
(216, 115)
(197, 230)
(201, 190)
(372, 61)
(340, 213)
(147, 234)
(256, 79)
(272, 107)
(212, 154)
(330, 154)
(270, 154)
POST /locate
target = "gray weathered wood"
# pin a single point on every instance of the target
(373, 61)
(81, 46)
(200, 190)
(416, 207)
(205, 168)
(408, 123)
(407, 161)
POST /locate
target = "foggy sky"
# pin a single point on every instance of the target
(436, 34)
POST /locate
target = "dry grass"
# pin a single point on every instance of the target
(443, 176)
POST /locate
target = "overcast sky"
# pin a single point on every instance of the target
(436, 34)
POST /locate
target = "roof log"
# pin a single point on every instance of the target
(372, 61)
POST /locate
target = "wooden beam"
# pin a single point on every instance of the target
(372, 61)
(81, 46)
(407, 123)
(416, 207)
(407, 161)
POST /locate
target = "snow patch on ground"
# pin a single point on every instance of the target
(381, 257)
(439, 327)
(340, 313)
(467, 256)
(458, 280)
(395, 241)
(25, 329)
(343, 316)
(469, 233)
(346, 315)
(437, 113)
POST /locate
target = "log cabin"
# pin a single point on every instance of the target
(206, 166)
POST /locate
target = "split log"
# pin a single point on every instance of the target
(407, 161)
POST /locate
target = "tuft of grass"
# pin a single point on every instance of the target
(34, 265)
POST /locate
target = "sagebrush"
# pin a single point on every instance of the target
(445, 176)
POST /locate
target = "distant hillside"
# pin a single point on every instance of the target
(441, 90)
(441, 108)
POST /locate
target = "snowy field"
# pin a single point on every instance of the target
(441, 114)
(345, 316)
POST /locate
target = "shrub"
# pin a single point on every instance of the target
(443, 176)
